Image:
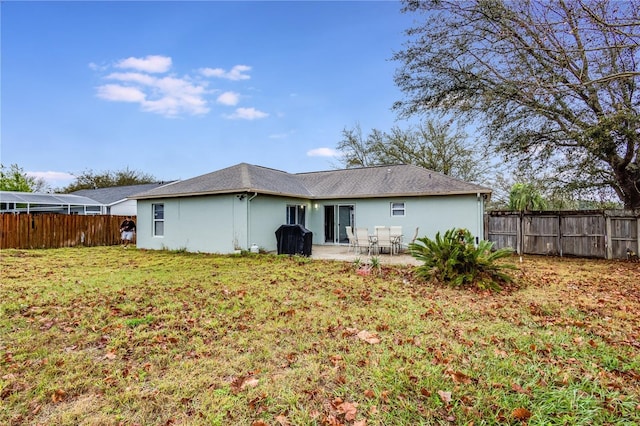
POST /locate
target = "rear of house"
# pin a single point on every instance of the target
(239, 206)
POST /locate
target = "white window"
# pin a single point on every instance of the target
(397, 209)
(158, 220)
(295, 215)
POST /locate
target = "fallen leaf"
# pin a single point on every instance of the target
(517, 388)
(459, 377)
(242, 383)
(368, 337)
(349, 410)
(58, 396)
(521, 414)
(445, 396)
(282, 420)
(335, 360)
(259, 423)
(369, 393)
(362, 422)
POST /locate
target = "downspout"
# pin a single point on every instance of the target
(249, 243)
(479, 218)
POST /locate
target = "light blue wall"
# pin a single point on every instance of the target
(429, 214)
(197, 224)
(267, 214)
(217, 224)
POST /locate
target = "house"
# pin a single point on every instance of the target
(115, 200)
(242, 205)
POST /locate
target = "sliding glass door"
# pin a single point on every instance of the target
(336, 220)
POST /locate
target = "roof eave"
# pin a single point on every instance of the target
(222, 192)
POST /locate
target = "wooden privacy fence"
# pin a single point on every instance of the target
(30, 231)
(595, 233)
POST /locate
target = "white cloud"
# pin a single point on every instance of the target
(150, 63)
(118, 93)
(147, 82)
(133, 77)
(236, 73)
(229, 98)
(323, 152)
(246, 114)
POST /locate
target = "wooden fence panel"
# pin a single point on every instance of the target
(504, 231)
(27, 231)
(583, 236)
(540, 234)
(624, 235)
(595, 233)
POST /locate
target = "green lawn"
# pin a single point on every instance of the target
(106, 336)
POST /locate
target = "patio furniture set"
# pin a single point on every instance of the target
(384, 238)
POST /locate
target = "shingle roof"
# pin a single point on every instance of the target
(385, 181)
(112, 195)
(366, 182)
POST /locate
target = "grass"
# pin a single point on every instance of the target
(130, 337)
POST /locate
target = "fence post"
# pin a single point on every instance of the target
(638, 229)
(559, 239)
(608, 242)
(519, 231)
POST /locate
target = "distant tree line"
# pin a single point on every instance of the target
(14, 178)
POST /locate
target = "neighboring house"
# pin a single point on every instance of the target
(242, 205)
(36, 202)
(115, 199)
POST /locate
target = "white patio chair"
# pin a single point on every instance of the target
(362, 240)
(353, 243)
(384, 239)
(396, 237)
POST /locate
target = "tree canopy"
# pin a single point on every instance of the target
(14, 178)
(433, 145)
(89, 179)
(552, 82)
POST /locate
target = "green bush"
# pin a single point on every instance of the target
(455, 260)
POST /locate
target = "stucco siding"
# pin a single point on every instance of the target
(195, 224)
(222, 223)
(267, 214)
(429, 214)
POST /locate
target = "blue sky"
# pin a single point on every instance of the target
(179, 89)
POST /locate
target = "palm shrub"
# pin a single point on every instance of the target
(455, 260)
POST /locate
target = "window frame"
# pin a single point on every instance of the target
(299, 211)
(156, 220)
(396, 211)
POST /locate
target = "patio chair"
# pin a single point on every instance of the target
(362, 240)
(396, 237)
(384, 239)
(353, 242)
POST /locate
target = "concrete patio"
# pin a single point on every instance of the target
(344, 253)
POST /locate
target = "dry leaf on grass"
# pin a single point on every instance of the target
(58, 396)
(282, 420)
(521, 414)
(445, 396)
(242, 383)
(368, 337)
(349, 410)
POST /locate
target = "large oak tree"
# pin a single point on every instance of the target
(437, 146)
(551, 82)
